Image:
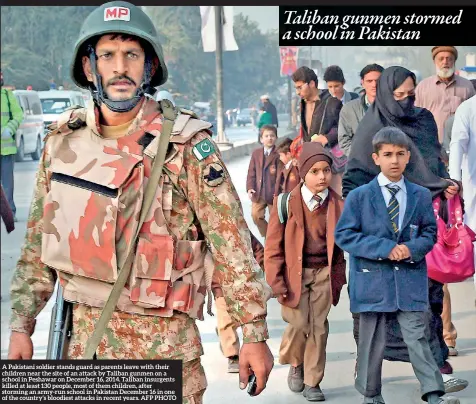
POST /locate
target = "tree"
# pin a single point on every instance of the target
(254, 68)
(37, 74)
(37, 43)
(251, 70)
(190, 70)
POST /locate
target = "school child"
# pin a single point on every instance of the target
(288, 177)
(305, 269)
(388, 227)
(226, 327)
(262, 173)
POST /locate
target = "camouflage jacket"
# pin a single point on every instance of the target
(204, 206)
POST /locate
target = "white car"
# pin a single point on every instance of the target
(29, 136)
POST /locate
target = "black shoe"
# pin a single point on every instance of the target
(296, 378)
(313, 393)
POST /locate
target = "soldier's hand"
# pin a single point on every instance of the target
(250, 193)
(255, 357)
(281, 299)
(21, 346)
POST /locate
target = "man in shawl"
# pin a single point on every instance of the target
(394, 106)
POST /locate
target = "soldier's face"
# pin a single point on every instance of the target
(120, 63)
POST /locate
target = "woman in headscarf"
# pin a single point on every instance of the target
(394, 106)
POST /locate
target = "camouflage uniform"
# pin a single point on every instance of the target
(154, 319)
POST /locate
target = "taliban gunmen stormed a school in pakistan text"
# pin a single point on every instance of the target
(362, 24)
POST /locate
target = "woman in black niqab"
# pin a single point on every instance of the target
(426, 167)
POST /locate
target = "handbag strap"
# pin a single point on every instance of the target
(455, 211)
(323, 116)
(169, 114)
(436, 207)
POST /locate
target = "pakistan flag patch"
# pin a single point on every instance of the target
(203, 149)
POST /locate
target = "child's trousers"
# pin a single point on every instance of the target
(372, 340)
(258, 213)
(229, 341)
(305, 338)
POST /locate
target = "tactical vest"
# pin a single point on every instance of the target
(91, 211)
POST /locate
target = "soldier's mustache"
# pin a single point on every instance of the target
(120, 78)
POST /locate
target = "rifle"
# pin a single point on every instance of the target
(60, 327)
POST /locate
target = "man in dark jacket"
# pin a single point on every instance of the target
(319, 117)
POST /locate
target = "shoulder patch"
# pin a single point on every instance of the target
(203, 149)
(214, 174)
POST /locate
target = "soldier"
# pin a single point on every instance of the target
(88, 195)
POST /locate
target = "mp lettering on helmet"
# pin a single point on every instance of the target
(117, 13)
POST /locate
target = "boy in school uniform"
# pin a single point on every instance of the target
(288, 177)
(226, 327)
(262, 173)
(388, 227)
(306, 270)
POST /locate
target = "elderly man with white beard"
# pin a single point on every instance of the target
(442, 94)
(445, 91)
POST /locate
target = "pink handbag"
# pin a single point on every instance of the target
(452, 257)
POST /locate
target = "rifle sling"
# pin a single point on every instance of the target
(169, 114)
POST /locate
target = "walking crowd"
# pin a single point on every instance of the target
(362, 157)
(133, 207)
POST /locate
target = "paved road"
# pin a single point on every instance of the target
(400, 386)
(241, 133)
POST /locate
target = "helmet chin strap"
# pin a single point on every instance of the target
(99, 95)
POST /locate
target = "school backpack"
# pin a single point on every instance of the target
(283, 207)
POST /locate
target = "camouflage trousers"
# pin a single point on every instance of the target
(134, 336)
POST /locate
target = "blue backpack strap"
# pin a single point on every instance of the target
(283, 207)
